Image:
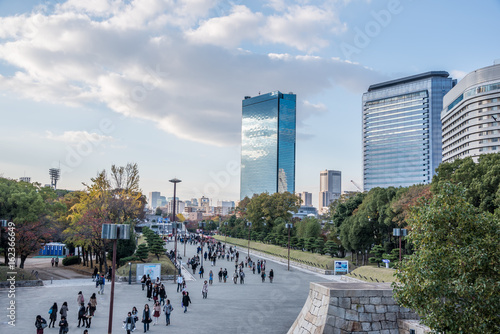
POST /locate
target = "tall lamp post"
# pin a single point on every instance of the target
(399, 232)
(114, 232)
(225, 234)
(174, 224)
(130, 273)
(249, 224)
(289, 227)
(202, 226)
(185, 238)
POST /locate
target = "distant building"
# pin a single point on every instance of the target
(471, 116)
(268, 144)
(179, 206)
(330, 187)
(305, 211)
(153, 199)
(402, 130)
(25, 179)
(306, 198)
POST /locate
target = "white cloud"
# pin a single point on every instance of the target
(165, 73)
(457, 74)
(74, 137)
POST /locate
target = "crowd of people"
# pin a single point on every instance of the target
(156, 291)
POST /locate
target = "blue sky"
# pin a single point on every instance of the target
(88, 84)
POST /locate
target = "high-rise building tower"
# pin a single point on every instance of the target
(471, 115)
(268, 144)
(402, 130)
(330, 187)
(306, 198)
(154, 196)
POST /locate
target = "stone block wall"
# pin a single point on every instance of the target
(360, 308)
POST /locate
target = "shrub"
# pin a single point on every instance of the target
(70, 260)
(127, 259)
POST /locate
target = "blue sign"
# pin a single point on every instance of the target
(386, 261)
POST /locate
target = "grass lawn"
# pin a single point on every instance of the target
(167, 267)
(22, 275)
(315, 258)
(381, 274)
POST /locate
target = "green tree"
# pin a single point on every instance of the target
(378, 254)
(142, 252)
(319, 246)
(156, 247)
(452, 278)
(309, 227)
(331, 247)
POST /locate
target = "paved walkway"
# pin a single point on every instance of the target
(253, 307)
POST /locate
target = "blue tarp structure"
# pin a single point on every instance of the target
(54, 249)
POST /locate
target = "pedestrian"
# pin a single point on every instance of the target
(167, 309)
(210, 277)
(110, 272)
(146, 317)
(80, 299)
(82, 319)
(204, 290)
(52, 261)
(253, 268)
(258, 267)
(53, 315)
(163, 294)
(242, 277)
(94, 275)
(224, 274)
(64, 310)
(143, 281)
(63, 326)
(93, 304)
(156, 312)
(88, 314)
(202, 271)
(135, 313)
(149, 291)
(271, 276)
(235, 277)
(180, 280)
(57, 261)
(102, 281)
(186, 301)
(129, 323)
(156, 293)
(40, 324)
(220, 275)
(263, 276)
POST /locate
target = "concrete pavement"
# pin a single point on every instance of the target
(252, 307)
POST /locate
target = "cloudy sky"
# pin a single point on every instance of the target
(88, 84)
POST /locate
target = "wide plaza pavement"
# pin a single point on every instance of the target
(253, 307)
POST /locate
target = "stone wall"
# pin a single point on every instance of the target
(360, 308)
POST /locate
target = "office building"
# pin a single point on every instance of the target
(268, 144)
(402, 130)
(154, 196)
(306, 198)
(330, 187)
(25, 179)
(471, 115)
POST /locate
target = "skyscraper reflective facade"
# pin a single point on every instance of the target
(268, 144)
(402, 130)
(330, 187)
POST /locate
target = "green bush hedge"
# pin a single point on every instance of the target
(127, 259)
(68, 261)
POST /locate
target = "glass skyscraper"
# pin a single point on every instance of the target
(402, 130)
(268, 144)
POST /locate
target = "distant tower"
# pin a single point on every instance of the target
(330, 182)
(54, 177)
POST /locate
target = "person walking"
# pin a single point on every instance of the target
(40, 324)
(220, 275)
(57, 261)
(167, 309)
(156, 312)
(224, 274)
(94, 275)
(143, 281)
(271, 276)
(135, 313)
(93, 304)
(53, 315)
(102, 281)
(211, 277)
(253, 268)
(235, 277)
(129, 323)
(64, 310)
(80, 299)
(82, 320)
(63, 326)
(263, 276)
(202, 271)
(242, 277)
(163, 294)
(258, 267)
(204, 290)
(146, 317)
(156, 293)
(186, 301)
(180, 280)
(149, 291)
(52, 261)
(88, 315)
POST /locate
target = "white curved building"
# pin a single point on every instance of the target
(471, 115)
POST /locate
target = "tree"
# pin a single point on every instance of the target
(331, 247)
(378, 254)
(142, 252)
(309, 227)
(451, 279)
(156, 247)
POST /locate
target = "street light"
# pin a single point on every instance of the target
(249, 224)
(202, 225)
(225, 234)
(175, 181)
(399, 232)
(289, 227)
(185, 238)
